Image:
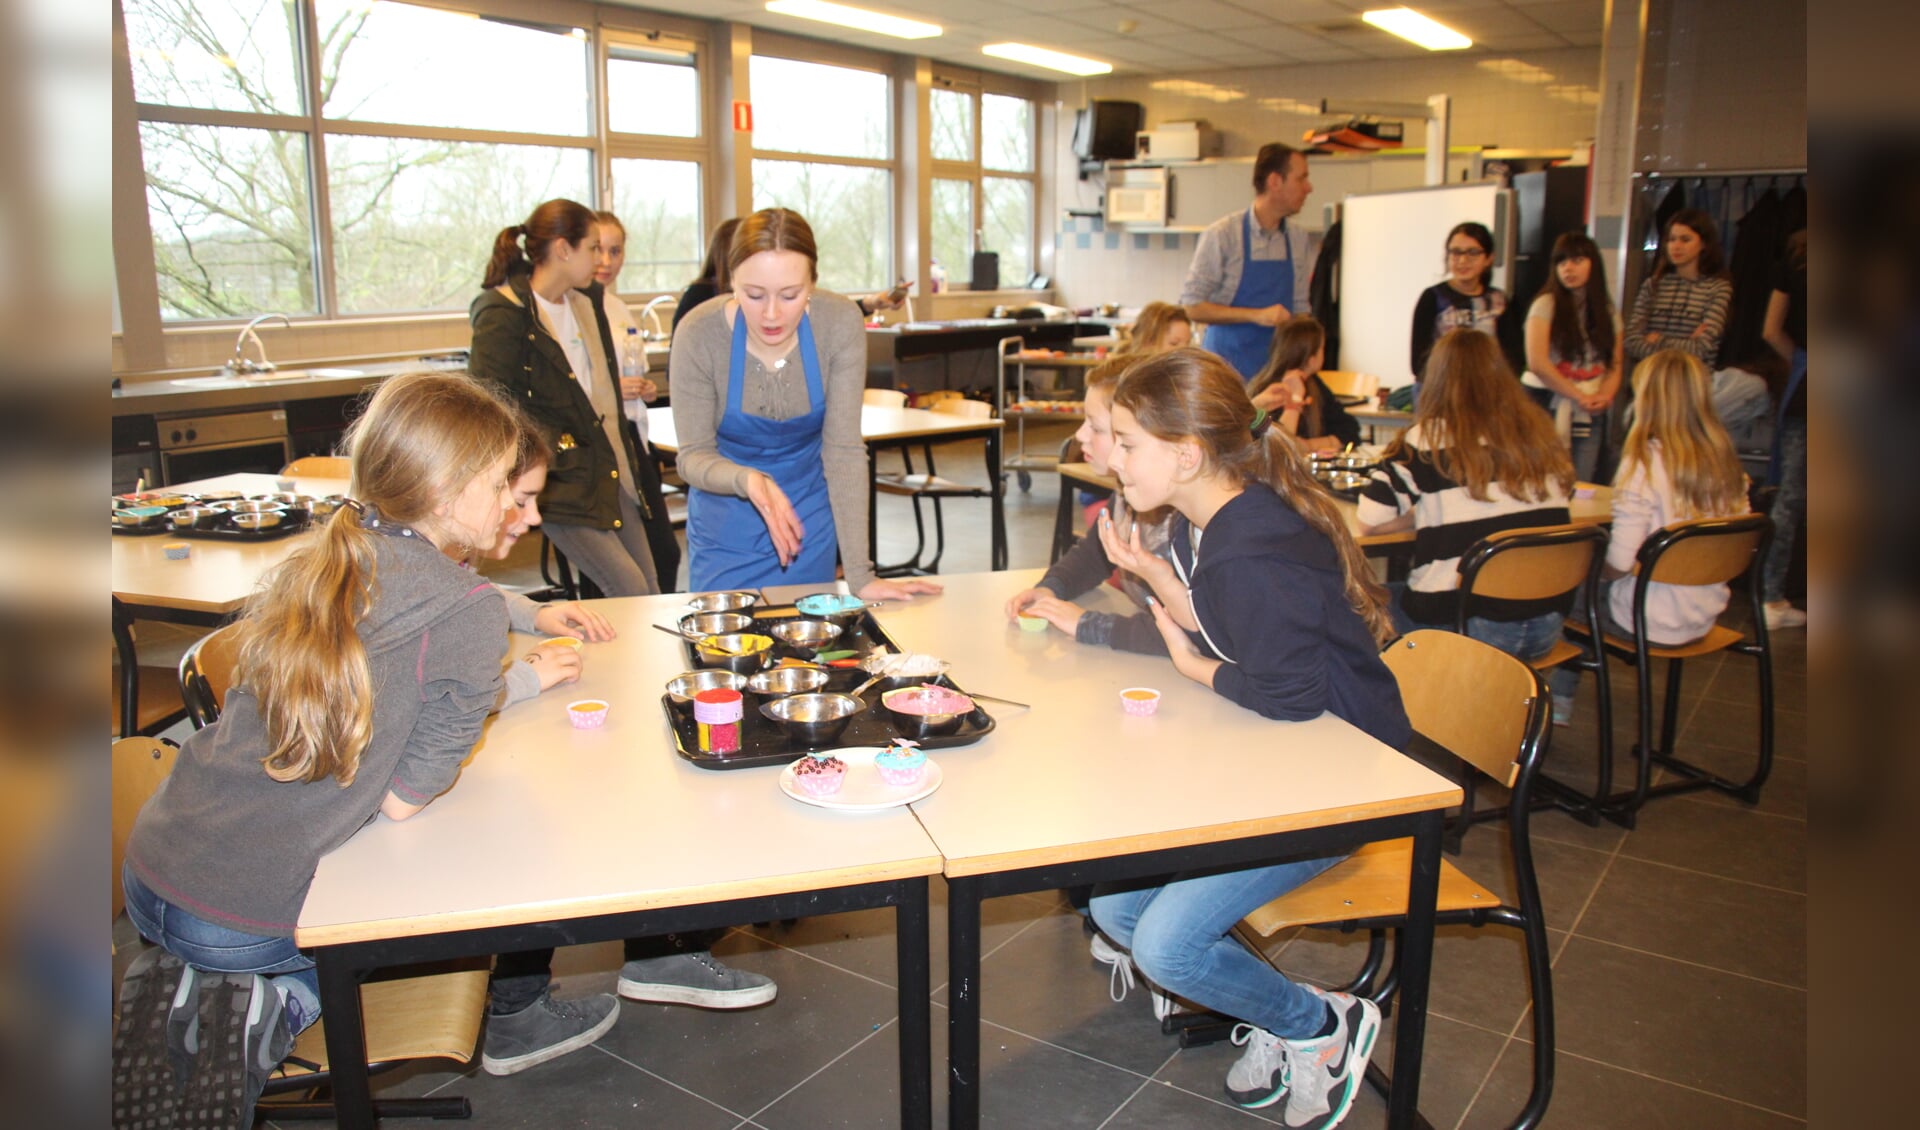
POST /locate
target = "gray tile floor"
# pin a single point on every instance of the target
(1680, 969)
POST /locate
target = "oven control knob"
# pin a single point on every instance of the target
(175, 437)
(192, 435)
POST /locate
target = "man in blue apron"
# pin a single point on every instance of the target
(1249, 273)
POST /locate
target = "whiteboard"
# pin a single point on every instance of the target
(1393, 246)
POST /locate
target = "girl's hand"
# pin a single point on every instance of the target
(555, 663)
(1321, 443)
(1597, 402)
(1272, 398)
(636, 388)
(904, 589)
(1062, 614)
(1187, 659)
(783, 525)
(1020, 601)
(573, 619)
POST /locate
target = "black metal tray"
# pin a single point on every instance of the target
(763, 742)
(223, 529)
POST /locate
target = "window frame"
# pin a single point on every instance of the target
(976, 86)
(697, 150)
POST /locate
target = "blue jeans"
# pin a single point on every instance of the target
(222, 949)
(1525, 640)
(1179, 935)
(1789, 509)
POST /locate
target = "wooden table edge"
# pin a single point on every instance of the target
(1190, 837)
(524, 913)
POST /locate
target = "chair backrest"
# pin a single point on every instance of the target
(1530, 564)
(139, 765)
(1705, 551)
(320, 467)
(1342, 382)
(884, 398)
(977, 409)
(206, 672)
(934, 396)
(1472, 699)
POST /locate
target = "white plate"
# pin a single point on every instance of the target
(862, 789)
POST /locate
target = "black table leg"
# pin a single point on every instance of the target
(873, 506)
(346, 1042)
(963, 999)
(911, 957)
(1416, 964)
(999, 501)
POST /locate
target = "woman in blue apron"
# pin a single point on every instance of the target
(1263, 282)
(766, 391)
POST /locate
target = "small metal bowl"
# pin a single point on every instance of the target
(740, 652)
(806, 636)
(782, 681)
(714, 623)
(259, 520)
(141, 517)
(287, 499)
(188, 517)
(207, 496)
(915, 725)
(1347, 481)
(324, 507)
(724, 601)
(681, 688)
(813, 720)
(256, 506)
(832, 607)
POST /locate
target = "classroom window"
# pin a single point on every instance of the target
(652, 91)
(1006, 221)
(1006, 130)
(659, 202)
(952, 133)
(983, 193)
(850, 210)
(953, 226)
(819, 109)
(217, 55)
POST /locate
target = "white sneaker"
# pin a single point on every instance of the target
(1782, 614)
(1122, 976)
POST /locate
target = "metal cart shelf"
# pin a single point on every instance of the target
(1013, 354)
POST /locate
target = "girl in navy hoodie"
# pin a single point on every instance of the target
(1268, 601)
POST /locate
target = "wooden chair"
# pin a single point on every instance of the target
(1706, 551)
(144, 700)
(1341, 382)
(206, 673)
(430, 1016)
(930, 486)
(1475, 705)
(320, 467)
(884, 398)
(1538, 564)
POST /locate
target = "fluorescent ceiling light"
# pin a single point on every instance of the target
(1417, 29)
(858, 19)
(1041, 57)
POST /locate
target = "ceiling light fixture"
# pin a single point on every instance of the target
(1417, 29)
(1042, 57)
(858, 19)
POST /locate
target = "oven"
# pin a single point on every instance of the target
(203, 446)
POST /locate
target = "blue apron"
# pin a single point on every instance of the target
(728, 546)
(1264, 282)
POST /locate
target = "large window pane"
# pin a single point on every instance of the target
(952, 126)
(414, 221)
(389, 62)
(215, 54)
(814, 108)
(1008, 219)
(659, 202)
(231, 230)
(953, 228)
(656, 98)
(849, 210)
(1006, 133)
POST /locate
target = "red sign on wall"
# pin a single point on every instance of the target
(743, 117)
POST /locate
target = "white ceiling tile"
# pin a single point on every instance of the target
(1485, 23)
(1568, 16)
(1106, 20)
(1538, 41)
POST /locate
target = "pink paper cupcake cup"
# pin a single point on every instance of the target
(588, 713)
(822, 784)
(1140, 701)
(908, 775)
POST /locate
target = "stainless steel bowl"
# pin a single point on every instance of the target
(187, 517)
(807, 636)
(260, 520)
(1343, 480)
(734, 651)
(782, 681)
(724, 601)
(915, 725)
(256, 506)
(324, 507)
(832, 607)
(285, 498)
(714, 623)
(141, 517)
(812, 720)
(681, 688)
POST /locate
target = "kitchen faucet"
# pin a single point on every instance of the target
(240, 364)
(650, 314)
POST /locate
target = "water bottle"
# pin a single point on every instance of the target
(939, 276)
(632, 356)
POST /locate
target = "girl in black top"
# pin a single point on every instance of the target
(1290, 389)
(1466, 300)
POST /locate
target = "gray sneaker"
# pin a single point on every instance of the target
(546, 1029)
(1259, 1078)
(695, 977)
(1326, 1072)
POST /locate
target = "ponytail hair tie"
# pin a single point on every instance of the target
(1261, 422)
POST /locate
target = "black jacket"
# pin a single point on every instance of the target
(513, 349)
(1269, 594)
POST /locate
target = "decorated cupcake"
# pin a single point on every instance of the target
(820, 775)
(901, 763)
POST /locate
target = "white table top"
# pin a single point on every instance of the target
(548, 822)
(217, 576)
(877, 425)
(1075, 778)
